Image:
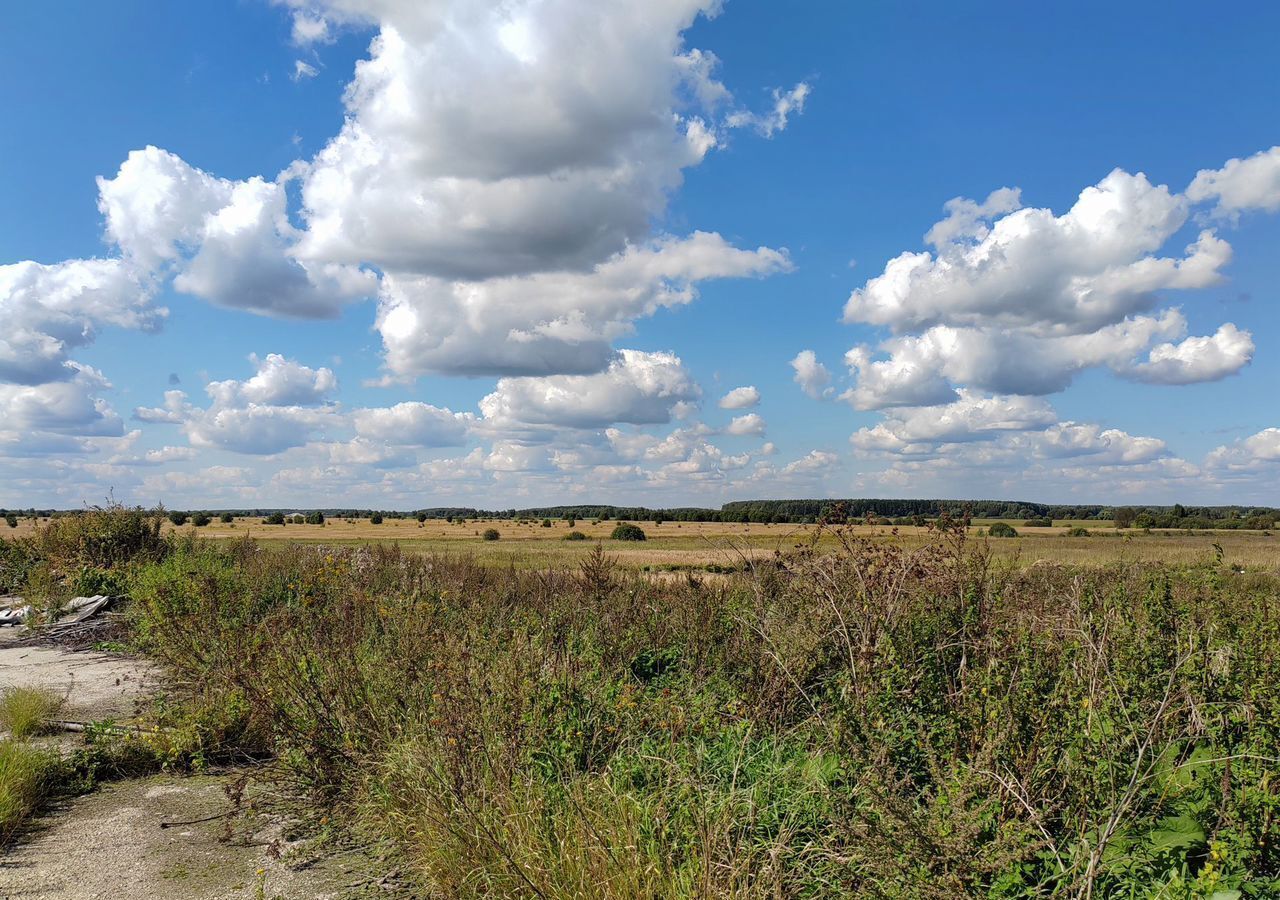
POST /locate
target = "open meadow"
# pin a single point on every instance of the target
(698, 545)
(708, 546)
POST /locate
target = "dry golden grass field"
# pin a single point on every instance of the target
(694, 545)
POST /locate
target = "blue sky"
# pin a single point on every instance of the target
(518, 252)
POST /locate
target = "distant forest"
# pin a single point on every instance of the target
(884, 511)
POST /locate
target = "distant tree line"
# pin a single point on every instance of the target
(884, 511)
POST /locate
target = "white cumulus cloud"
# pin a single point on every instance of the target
(741, 398)
(637, 387)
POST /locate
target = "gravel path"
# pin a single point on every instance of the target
(109, 844)
(96, 685)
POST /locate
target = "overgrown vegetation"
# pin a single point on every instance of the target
(887, 720)
(875, 722)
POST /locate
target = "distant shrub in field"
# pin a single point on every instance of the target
(200, 520)
(226, 518)
(298, 520)
(274, 518)
(1078, 531)
(628, 532)
(375, 519)
(571, 521)
(1002, 529)
(546, 523)
(11, 520)
(491, 534)
(178, 518)
(1037, 523)
(421, 517)
(574, 536)
(315, 518)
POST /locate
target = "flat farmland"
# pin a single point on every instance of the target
(697, 545)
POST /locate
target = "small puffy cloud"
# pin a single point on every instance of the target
(1241, 184)
(278, 382)
(412, 424)
(813, 461)
(740, 398)
(811, 375)
(1198, 359)
(637, 387)
(750, 424)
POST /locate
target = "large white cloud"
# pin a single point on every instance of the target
(229, 242)
(488, 138)
(924, 369)
(554, 322)
(1020, 301)
(637, 387)
(46, 311)
(1090, 267)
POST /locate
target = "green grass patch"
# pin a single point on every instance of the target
(27, 774)
(27, 711)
